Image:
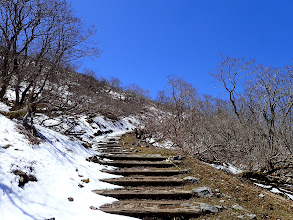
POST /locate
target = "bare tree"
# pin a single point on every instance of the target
(229, 74)
(182, 94)
(39, 37)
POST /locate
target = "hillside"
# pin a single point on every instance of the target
(56, 169)
(64, 130)
(61, 180)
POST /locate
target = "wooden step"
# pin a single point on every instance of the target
(105, 150)
(117, 152)
(108, 143)
(136, 163)
(145, 181)
(139, 193)
(109, 146)
(146, 171)
(148, 157)
(114, 139)
(157, 209)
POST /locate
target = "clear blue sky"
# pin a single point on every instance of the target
(143, 41)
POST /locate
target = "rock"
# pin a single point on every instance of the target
(219, 207)
(93, 208)
(24, 178)
(98, 133)
(207, 208)
(94, 159)
(237, 207)
(86, 180)
(251, 216)
(222, 201)
(6, 146)
(202, 191)
(70, 199)
(261, 195)
(218, 195)
(227, 196)
(80, 186)
(240, 216)
(191, 179)
(178, 157)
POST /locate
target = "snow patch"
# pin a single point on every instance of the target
(227, 167)
(59, 164)
(4, 107)
(263, 186)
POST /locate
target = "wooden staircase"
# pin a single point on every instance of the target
(153, 186)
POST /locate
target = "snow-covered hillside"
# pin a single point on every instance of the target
(59, 164)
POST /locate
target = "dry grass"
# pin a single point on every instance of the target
(231, 189)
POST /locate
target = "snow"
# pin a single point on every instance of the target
(290, 196)
(59, 164)
(275, 190)
(3, 107)
(116, 95)
(162, 144)
(227, 167)
(263, 186)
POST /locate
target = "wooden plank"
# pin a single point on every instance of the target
(159, 209)
(145, 181)
(135, 163)
(148, 157)
(146, 171)
(138, 193)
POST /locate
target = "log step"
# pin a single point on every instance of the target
(145, 181)
(148, 157)
(146, 171)
(109, 146)
(105, 150)
(135, 163)
(117, 152)
(140, 193)
(158, 209)
(108, 142)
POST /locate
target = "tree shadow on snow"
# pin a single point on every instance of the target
(10, 194)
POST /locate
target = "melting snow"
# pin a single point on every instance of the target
(227, 167)
(59, 164)
(263, 186)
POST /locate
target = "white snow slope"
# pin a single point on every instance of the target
(59, 164)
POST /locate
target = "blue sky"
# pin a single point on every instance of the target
(143, 41)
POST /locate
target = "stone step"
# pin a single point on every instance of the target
(139, 193)
(146, 171)
(148, 157)
(136, 163)
(145, 181)
(159, 209)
